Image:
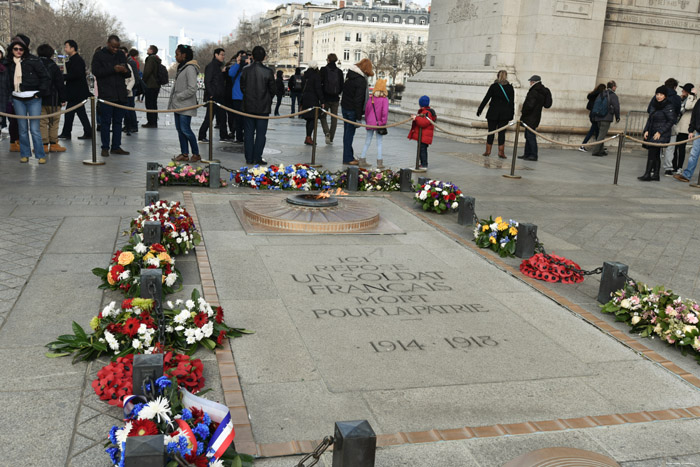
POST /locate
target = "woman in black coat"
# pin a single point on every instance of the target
(658, 130)
(593, 131)
(279, 83)
(312, 96)
(501, 111)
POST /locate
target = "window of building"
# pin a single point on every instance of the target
(360, 17)
(385, 19)
(397, 19)
(411, 20)
(358, 37)
(372, 57)
(348, 16)
(347, 36)
(358, 55)
(384, 38)
(420, 40)
(375, 19)
(409, 40)
(346, 54)
(373, 38)
(422, 21)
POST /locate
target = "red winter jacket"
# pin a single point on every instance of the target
(422, 117)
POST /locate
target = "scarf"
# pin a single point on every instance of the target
(18, 73)
(659, 105)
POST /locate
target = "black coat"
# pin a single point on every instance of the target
(325, 71)
(502, 107)
(58, 90)
(258, 87)
(354, 93)
(661, 120)
(592, 96)
(111, 86)
(279, 83)
(537, 97)
(673, 98)
(34, 75)
(214, 81)
(312, 95)
(4, 85)
(76, 80)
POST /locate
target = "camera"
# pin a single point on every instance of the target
(244, 58)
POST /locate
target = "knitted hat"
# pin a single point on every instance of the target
(313, 64)
(25, 39)
(365, 65)
(662, 90)
(424, 101)
(688, 87)
(380, 85)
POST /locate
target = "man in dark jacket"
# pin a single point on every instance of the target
(353, 106)
(111, 70)
(215, 89)
(296, 87)
(538, 97)
(258, 87)
(52, 101)
(604, 121)
(77, 90)
(332, 83)
(150, 79)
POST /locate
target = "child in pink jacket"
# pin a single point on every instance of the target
(376, 114)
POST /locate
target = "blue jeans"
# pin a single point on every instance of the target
(592, 132)
(254, 131)
(185, 134)
(424, 155)
(130, 121)
(296, 96)
(530, 144)
(348, 135)
(30, 107)
(111, 119)
(368, 142)
(692, 160)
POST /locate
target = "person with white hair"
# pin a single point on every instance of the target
(312, 96)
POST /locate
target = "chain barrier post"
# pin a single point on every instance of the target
(467, 211)
(214, 175)
(353, 178)
(317, 453)
(405, 181)
(211, 130)
(313, 148)
(423, 180)
(93, 119)
(355, 444)
(144, 451)
(152, 287)
(621, 139)
(613, 279)
(527, 241)
(420, 138)
(151, 197)
(515, 153)
(151, 232)
(146, 366)
(152, 180)
(152, 165)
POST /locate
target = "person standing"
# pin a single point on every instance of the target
(52, 101)
(605, 107)
(29, 81)
(235, 72)
(689, 97)
(332, 82)
(214, 89)
(312, 96)
(184, 94)
(77, 90)
(422, 127)
(693, 129)
(279, 86)
(593, 130)
(671, 84)
(353, 104)
(150, 79)
(4, 88)
(538, 97)
(111, 71)
(258, 87)
(376, 114)
(658, 130)
(134, 85)
(296, 86)
(500, 113)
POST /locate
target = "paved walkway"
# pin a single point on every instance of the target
(62, 219)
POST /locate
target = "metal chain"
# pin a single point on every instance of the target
(316, 455)
(539, 248)
(159, 313)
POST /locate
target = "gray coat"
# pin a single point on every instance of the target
(184, 92)
(613, 107)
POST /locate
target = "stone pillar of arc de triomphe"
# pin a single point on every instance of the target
(571, 44)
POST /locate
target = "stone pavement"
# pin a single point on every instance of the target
(63, 219)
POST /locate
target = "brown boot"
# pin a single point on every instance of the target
(14, 147)
(46, 149)
(502, 151)
(309, 141)
(55, 147)
(488, 150)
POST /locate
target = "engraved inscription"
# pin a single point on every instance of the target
(463, 11)
(574, 8)
(685, 5)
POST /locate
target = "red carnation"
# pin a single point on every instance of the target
(219, 318)
(131, 327)
(116, 256)
(220, 339)
(144, 428)
(158, 247)
(197, 461)
(116, 271)
(200, 319)
(126, 304)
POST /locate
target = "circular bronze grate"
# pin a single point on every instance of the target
(562, 457)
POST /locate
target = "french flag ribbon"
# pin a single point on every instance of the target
(187, 431)
(130, 401)
(224, 434)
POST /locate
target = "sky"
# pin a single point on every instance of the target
(204, 20)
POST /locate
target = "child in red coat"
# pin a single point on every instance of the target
(422, 120)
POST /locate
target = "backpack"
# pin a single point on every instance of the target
(331, 84)
(297, 84)
(162, 75)
(601, 105)
(547, 99)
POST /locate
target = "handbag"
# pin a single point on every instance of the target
(380, 131)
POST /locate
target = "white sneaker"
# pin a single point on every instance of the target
(582, 149)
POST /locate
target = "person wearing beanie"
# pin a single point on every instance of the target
(538, 97)
(376, 114)
(658, 130)
(311, 96)
(355, 90)
(29, 81)
(422, 127)
(671, 84)
(689, 98)
(501, 111)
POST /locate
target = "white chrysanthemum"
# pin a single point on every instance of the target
(455, 205)
(113, 344)
(136, 310)
(198, 334)
(109, 310)
(122, 434)
(182, 317)
(142, 329)
(208, 329)
(170, 279)
(153, 262)
(217, 463)
(158, 409)
(170, 304)
(150, 350)
(169, 329)
(179, 301)
(140, 248)
(124, 276)
(136, 344)
(189, 304)
(179, 240)
(190, 334)
(179, 328)
(173, 234)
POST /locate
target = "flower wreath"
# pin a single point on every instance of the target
(179, 234)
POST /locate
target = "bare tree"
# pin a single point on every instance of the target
(391, 56)
(413, 58)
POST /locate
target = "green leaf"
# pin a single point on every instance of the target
(79, 332)
(195, 295)
(237, 462)
(100, 272)
(208, 343)
(56, 355)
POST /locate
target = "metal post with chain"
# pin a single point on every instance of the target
(316, 454)
(539, 248)
(157, 305)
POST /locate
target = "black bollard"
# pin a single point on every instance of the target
(151, 180)
(152, 287)
(353, 178)
(214, 175)
(355, 444)
(467, 211)
(144, 451)
(423, 180)
(146, 366)
(151, 197)
(612, 279)
(525, 243)
(405, 182)
(152, 166)
(151, 232)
